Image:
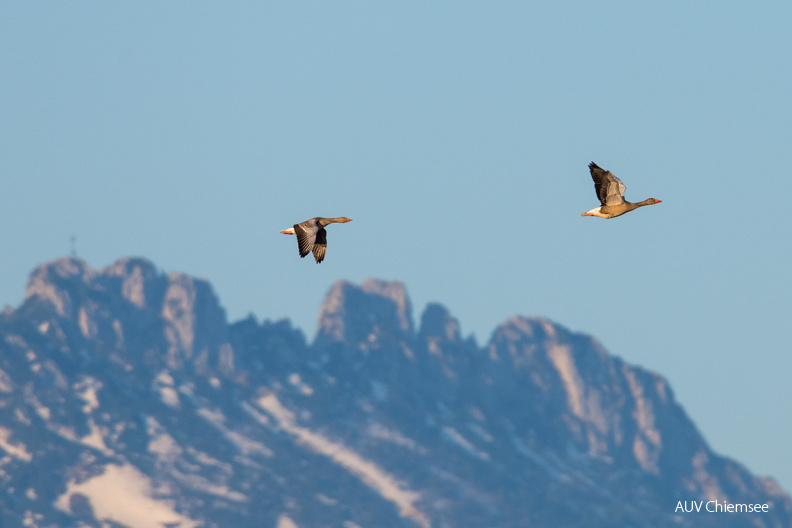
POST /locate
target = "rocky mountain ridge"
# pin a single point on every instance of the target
(127, 399)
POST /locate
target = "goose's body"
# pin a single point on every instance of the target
(312, 237)
(610, 191)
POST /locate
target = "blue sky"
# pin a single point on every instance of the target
(457, 136)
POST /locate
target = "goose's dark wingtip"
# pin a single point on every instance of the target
(593, 165)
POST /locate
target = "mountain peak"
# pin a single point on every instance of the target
(135, 274)
(374, 311)
(117, 303)
(50, 281)
(438, 325)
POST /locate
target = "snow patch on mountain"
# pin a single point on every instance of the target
(453, 436)
(17, 450)
(368, 472)
(380, 432)
(123, 494)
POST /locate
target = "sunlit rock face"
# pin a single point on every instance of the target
(606, 408)
(126, 399)
(131, 300)
(368, 314)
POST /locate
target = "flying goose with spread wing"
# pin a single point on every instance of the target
(610, 191)
(312, 237)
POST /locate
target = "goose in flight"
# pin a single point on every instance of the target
(610, 191)
(312, 237)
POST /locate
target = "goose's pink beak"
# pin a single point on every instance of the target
(288, 231)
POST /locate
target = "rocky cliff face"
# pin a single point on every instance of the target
(126, 399)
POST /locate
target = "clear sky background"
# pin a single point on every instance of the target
(457, 136)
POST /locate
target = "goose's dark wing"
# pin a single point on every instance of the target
(320, 245)
(306, 236)
(610, 189)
